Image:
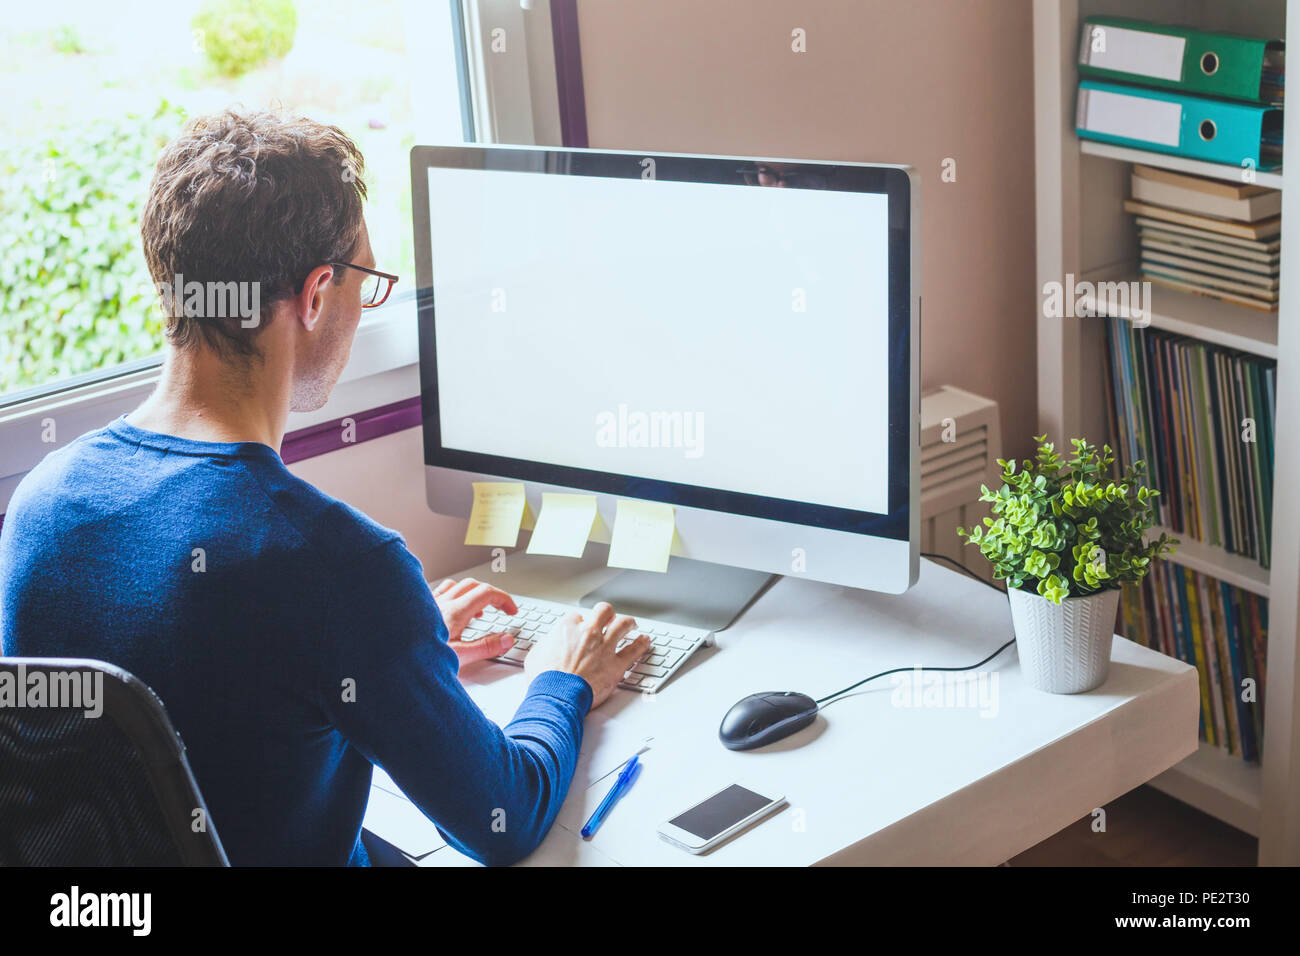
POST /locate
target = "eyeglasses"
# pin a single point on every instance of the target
(375, 286)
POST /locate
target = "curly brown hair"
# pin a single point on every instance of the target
(259, 197)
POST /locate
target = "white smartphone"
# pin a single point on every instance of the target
(717, 819)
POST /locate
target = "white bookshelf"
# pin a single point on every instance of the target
(1083, 231)
(1186, 313)
(1271, 178)
(1237, 570)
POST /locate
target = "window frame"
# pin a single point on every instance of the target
(512, 99)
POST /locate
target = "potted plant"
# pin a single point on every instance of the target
(1065, 535)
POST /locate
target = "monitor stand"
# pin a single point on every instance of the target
(691, 593)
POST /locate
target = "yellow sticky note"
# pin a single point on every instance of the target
(499, 509)
(643, 535)
(563, 525)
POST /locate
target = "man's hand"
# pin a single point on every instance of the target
(460, 603)
(588, 647)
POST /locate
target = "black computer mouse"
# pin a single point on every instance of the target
(764, 718)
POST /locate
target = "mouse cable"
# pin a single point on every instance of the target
(963, 569)
(899, 670)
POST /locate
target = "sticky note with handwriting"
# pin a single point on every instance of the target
(643, 535)
(563, 525)
(499, 509)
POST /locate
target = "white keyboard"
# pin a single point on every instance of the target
(673, 643)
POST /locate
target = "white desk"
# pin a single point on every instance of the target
(870, 782)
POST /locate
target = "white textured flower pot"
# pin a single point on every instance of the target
(1064, 648)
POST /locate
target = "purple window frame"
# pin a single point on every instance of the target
(368, 425)
(568, 73)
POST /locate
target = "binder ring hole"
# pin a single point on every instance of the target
(1207, 130)
(1209, 63)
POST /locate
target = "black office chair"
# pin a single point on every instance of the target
(109, 790)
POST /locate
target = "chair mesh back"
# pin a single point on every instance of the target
(75, 792)
(109, 790)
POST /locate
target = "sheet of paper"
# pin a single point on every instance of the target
(499, 509)
(563, 525)
(606, 748)
(379, 778)
(394, 818)
(643, 535)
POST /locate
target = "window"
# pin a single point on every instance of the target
(91, 94)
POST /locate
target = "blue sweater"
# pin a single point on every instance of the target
(293, 641)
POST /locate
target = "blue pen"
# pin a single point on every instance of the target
(620, 786)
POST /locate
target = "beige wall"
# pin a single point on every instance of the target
(899, 81)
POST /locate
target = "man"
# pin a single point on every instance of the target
(293, 641)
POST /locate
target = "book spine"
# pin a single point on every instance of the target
(1229, 452)
(1162, 433)
(1158, 597)
(1216, 452)
(1205, 450)
(1145, 397)
(1219, 634)
(1120, 412)
(1261, 648)
(1244, 459)
(1261, 458)
(1188, 430)
(1191, 623)
(1209, 647)
(1231, 599)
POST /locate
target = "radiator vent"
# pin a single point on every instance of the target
(949, 468)
(961, 441)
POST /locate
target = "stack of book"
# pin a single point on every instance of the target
(1202, 418)
(1207, 236)
(1221, 631)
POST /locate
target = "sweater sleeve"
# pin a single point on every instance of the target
(388, 681)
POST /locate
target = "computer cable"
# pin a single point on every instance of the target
(899, 670)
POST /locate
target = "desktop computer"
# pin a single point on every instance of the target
(737, 338)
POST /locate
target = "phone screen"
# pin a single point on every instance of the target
(706, 820)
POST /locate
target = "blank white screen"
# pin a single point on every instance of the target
(559, 299)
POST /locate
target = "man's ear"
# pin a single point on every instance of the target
(310, 302)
